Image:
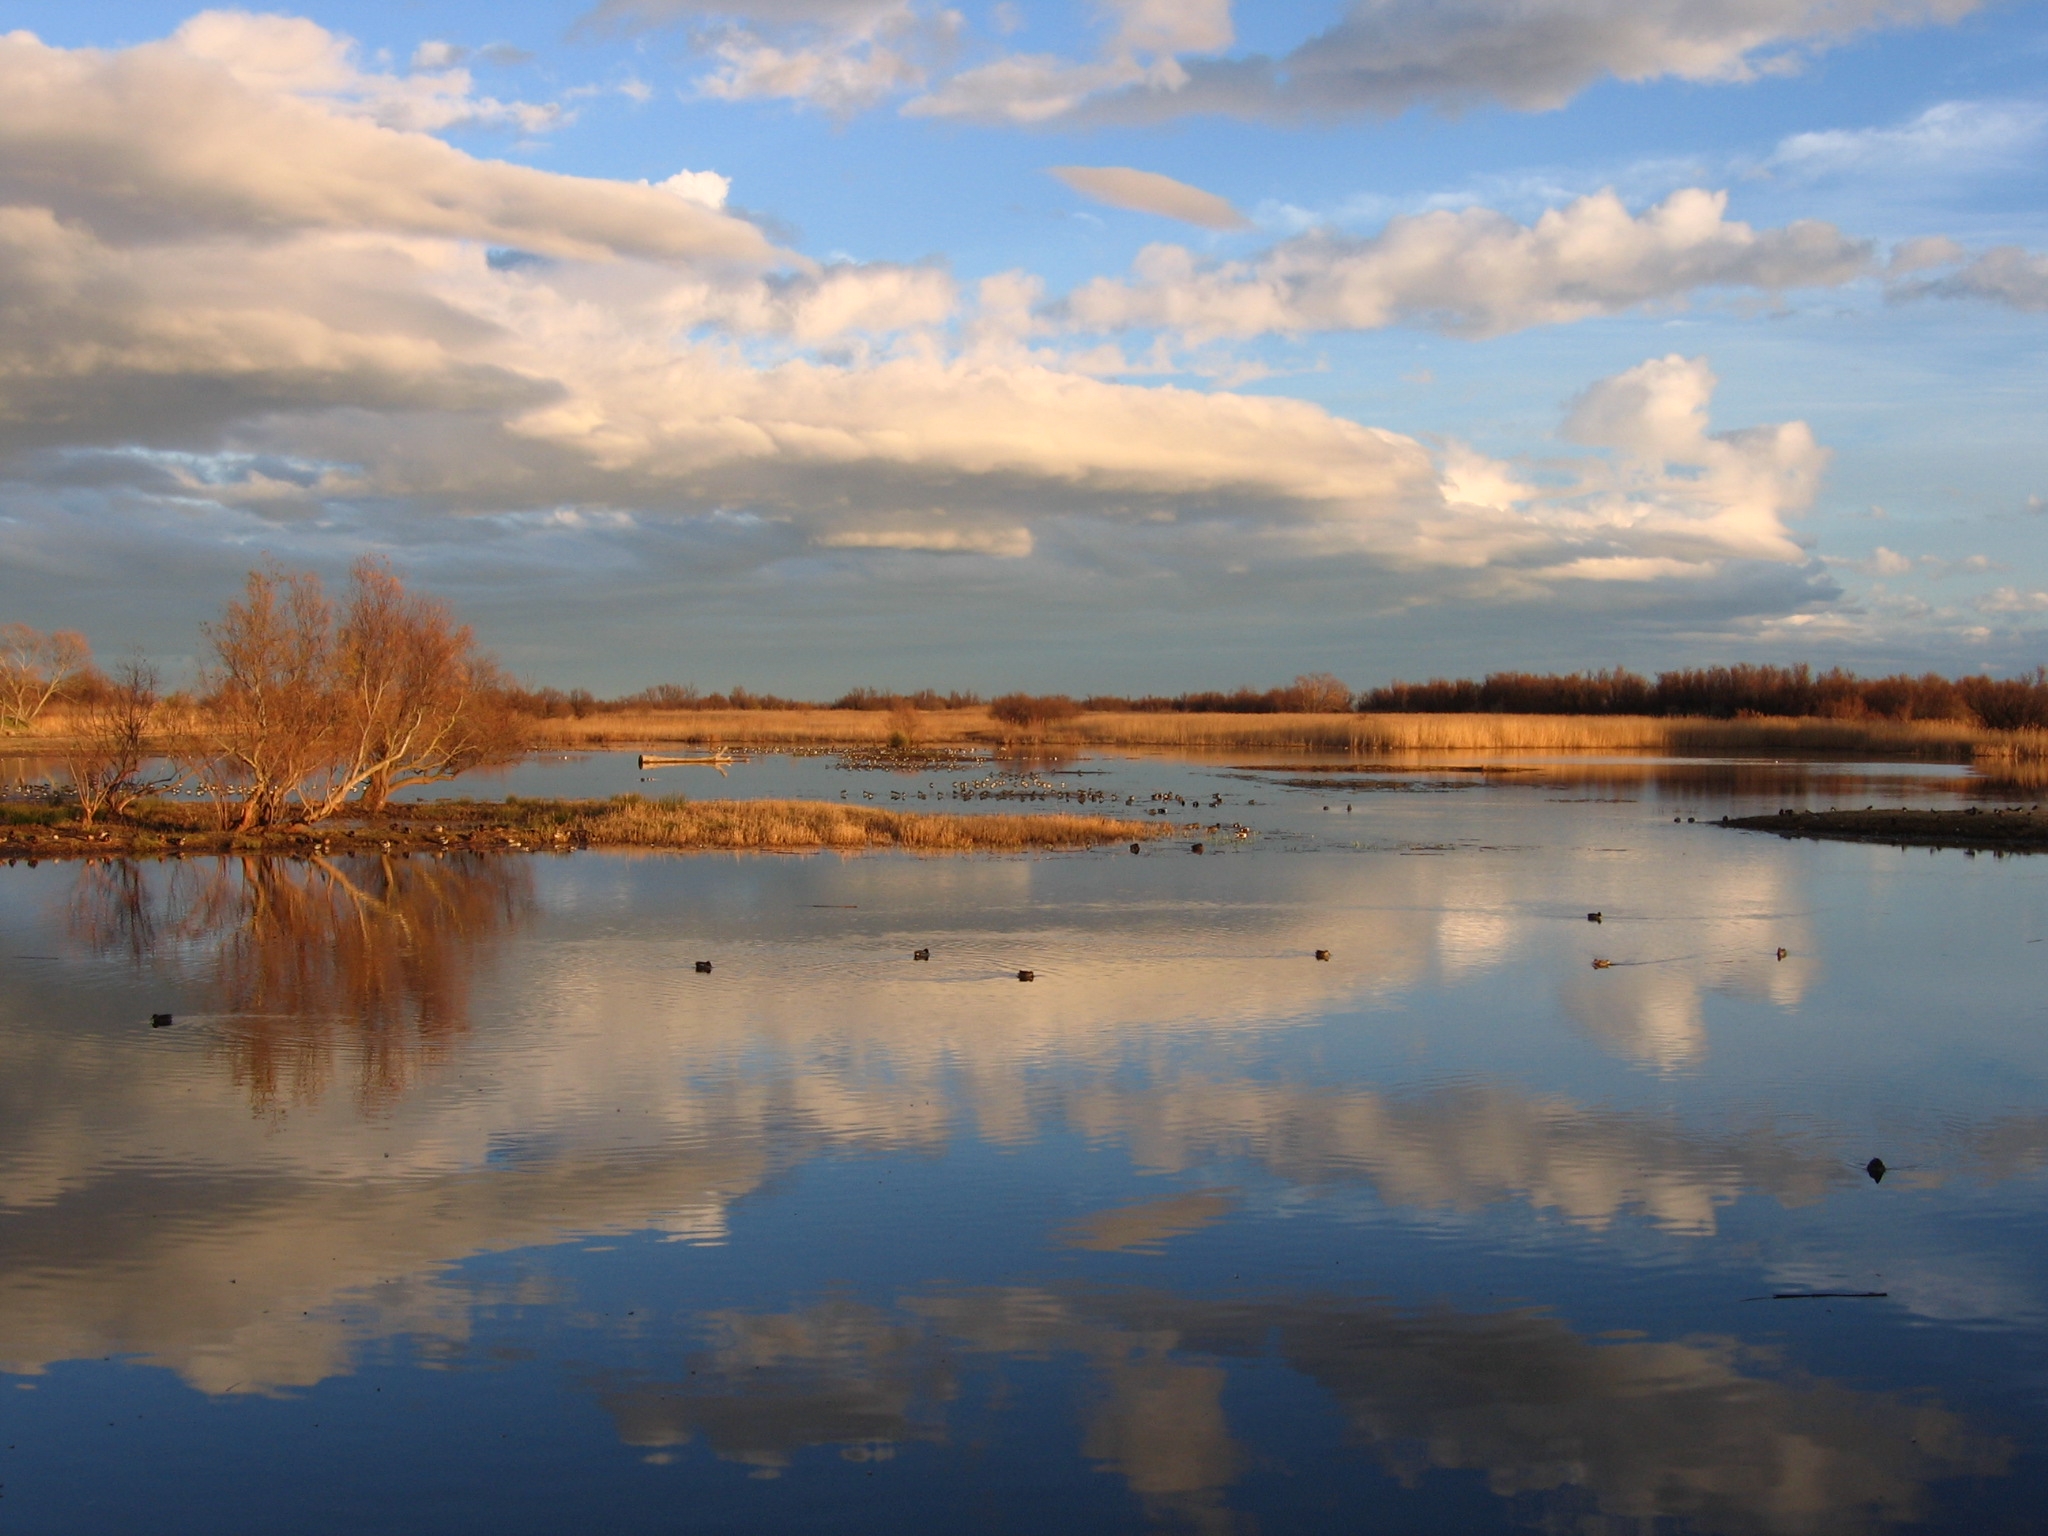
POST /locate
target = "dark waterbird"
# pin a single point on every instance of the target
(704, 967)
(161, 1021)
(1027, 975)
(1594, 917)
(920, 954)
(1322, 954)
(1196, 849)
(1876, 1169)
(1134, 847)
(1783, 952)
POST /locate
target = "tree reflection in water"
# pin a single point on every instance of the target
(372, 957)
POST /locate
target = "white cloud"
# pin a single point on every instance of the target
(438, 55)
(160, 141)
(2005, 274)
(1149, 192)
(1025, 89)
(1671, 482)
(839, 55)
(707, 189)
(842, 74)
(290, 56)
(2011, 600)
(1921, 254)
(1949, 137)
(1170, 26)
(656, 13)
(1004, 543)
(1385, 56)
(325, 298)
(1473, 271)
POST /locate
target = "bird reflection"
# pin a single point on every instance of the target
(312, 960)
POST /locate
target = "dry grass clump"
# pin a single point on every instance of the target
(800, 824)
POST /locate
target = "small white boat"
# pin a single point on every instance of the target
(721, 760)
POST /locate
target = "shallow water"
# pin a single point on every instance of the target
(456, 1199)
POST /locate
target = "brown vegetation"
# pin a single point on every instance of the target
(1314, 693)
(107, 754)
(629, 821)
(36, 668)
(1354, 735)
(309, 709)
(1032, 711)
(801, 824)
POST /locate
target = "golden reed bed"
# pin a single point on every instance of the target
(1358, 735)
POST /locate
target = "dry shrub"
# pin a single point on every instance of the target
(1030, 710)
(906, 724)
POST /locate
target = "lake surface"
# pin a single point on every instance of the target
(457, 1199)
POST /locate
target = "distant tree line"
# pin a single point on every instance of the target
(1314, 693)
(579, 703)
(1725, 693)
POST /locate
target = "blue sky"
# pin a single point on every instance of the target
(1141, 345)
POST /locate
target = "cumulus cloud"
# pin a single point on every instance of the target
(288, 55)
(1699, 493)
(1385, 56)
(1473, 271)
(343, 320)
(1149, 192)
(707, 189)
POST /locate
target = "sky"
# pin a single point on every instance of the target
(1127, 346)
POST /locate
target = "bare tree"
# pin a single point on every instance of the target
(313, 709)
(34, 668)
(418, 702)
(111, 744)
(1321, 693)
(271, 693)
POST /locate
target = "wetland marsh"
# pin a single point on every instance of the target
(454, 1196)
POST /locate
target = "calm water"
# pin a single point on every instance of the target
(458, 1200)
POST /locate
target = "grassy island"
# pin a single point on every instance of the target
(540, 826)
(2011, 829)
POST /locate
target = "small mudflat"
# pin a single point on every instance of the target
(2014, 829)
